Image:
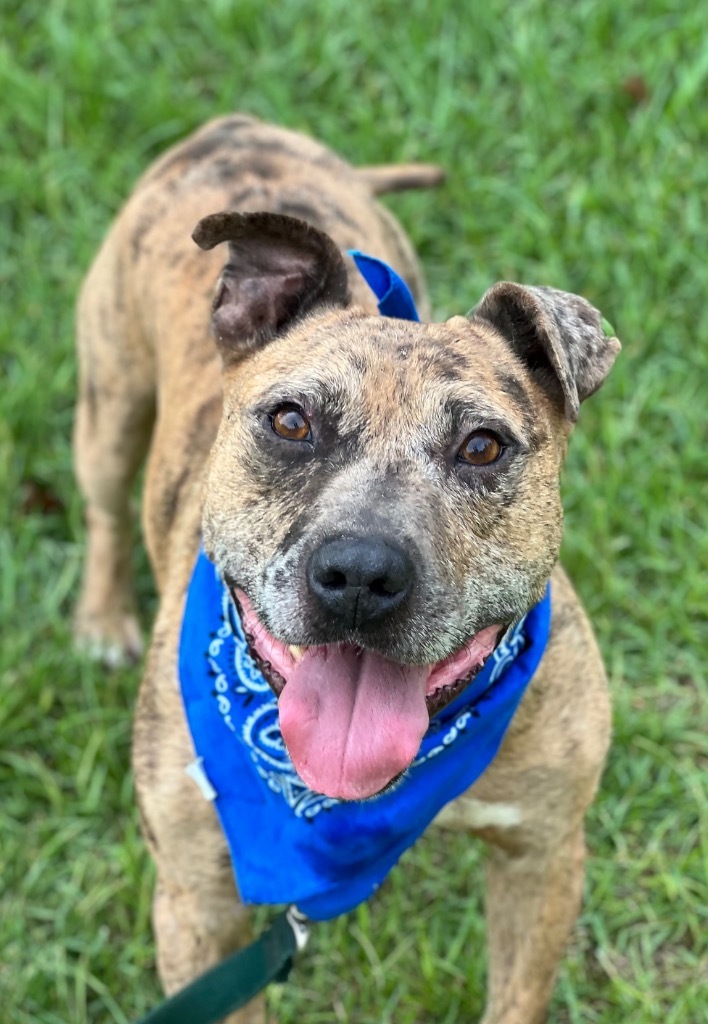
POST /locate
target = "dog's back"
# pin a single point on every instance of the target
(149, 271)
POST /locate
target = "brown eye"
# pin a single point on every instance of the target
(480, 449)
(290, 422)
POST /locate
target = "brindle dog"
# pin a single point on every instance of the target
(378, 486)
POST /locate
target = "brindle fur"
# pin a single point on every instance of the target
(390, 401)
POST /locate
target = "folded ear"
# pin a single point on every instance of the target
(562, 338)
(279, 269)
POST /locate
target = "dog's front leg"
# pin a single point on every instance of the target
(198, 918)
(533, 898)
(195, 930)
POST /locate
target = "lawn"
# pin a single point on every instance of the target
(575, 137)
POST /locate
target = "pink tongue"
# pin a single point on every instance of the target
(352, 720)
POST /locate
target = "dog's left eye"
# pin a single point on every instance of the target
(480, 449)
(291, 423)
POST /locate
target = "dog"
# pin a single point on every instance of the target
(374, 492)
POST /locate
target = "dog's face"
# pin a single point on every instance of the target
(383, 496)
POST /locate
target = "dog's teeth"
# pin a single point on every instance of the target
(297, 652)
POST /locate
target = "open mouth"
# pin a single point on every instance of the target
(353, 720)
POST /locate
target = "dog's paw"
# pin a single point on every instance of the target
(112, 640)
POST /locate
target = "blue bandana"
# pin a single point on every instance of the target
(391, 291)
(287, 843)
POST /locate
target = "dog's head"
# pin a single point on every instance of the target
(383, 496)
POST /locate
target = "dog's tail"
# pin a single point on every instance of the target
(399, 177)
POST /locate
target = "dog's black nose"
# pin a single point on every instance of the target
(359, 579)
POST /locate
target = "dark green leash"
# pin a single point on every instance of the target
(236, 980)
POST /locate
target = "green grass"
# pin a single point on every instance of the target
(575, 136)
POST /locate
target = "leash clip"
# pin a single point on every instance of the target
(298, 923)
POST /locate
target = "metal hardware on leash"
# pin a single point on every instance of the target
(298, 922)
(238, 979)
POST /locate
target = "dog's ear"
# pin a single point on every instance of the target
(279, 269)
(562, 339)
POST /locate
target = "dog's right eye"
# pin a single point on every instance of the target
(291, 423)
